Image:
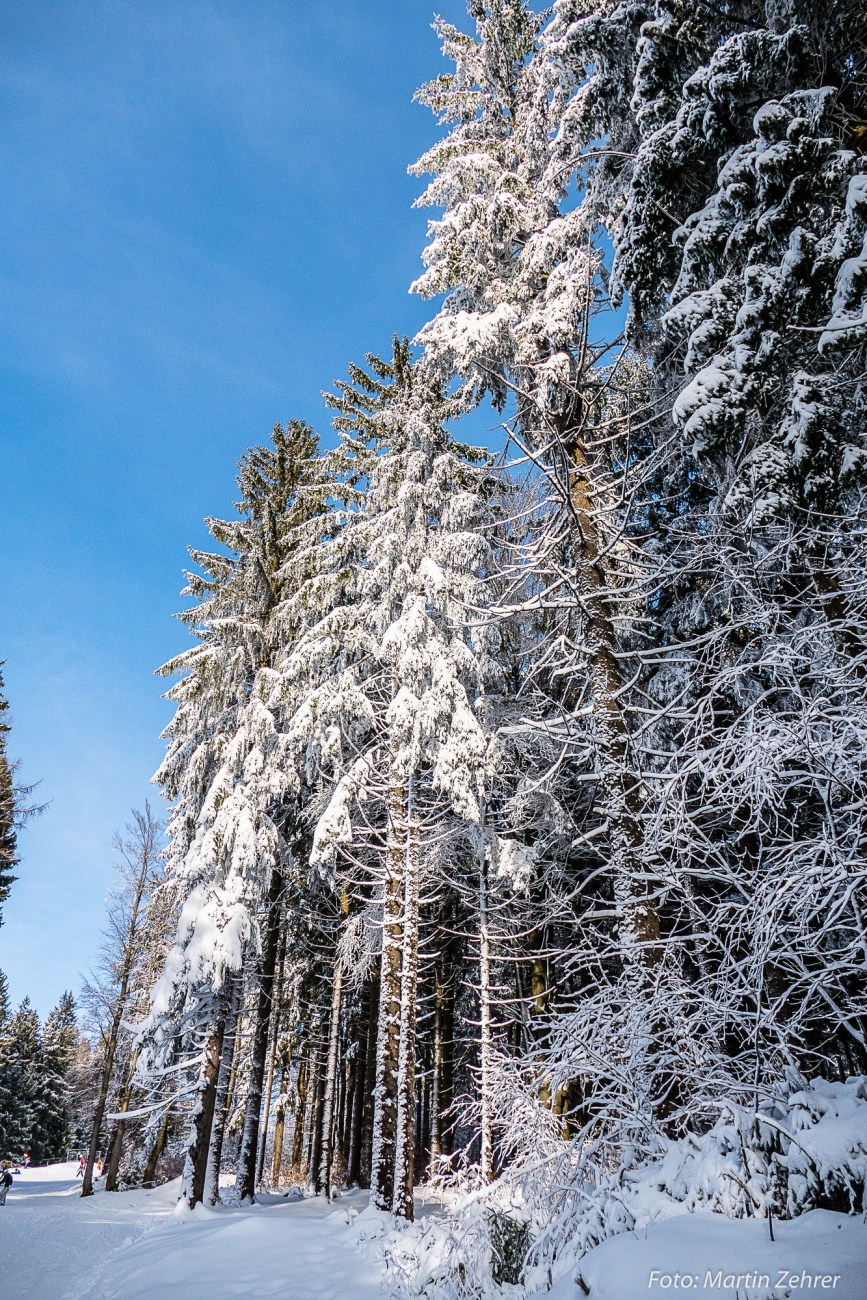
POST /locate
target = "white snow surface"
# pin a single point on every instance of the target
(136, 1246)
(705, 1254)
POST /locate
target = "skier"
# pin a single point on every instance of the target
(5, 1183)
(82, 1165)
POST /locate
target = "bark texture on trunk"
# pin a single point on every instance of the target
(356, 1118)
(225, 1081)
(298, 1136)
(195, 1168)
(280, 1121)
(485, 1031)
(369, 1084)
(330, 1085)
(116, 1150)
(404, 1173)
(245, 1181)
(155, 1153)
(638, 914)
(384, 1138)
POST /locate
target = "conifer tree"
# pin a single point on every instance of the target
(408, 722)
(8, 856)
(520, 273)
(56, 1057)
(15, 1111)
(519, 808)
(14, 807)
(235, 821)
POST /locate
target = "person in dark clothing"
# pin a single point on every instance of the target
(5, 1184)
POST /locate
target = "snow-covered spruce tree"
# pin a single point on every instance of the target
(774, 414)
(752, 767)
(234, 790)
(739, 229)
(58, 1047)
(394, 730)
(514, 253)
(35, 1073)
(516, 257)
(15, 1112)
(624, 82)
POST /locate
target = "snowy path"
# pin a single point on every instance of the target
(52, 1242)
(129, 1246)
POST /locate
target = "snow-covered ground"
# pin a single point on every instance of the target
(130, 1246)
(709, 1256)
(52, 1243)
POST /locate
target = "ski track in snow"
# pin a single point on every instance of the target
(130, 1246)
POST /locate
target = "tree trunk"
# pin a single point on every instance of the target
(277, 1153)
(246, 1174)
(330, 1084)
(224, 1092)
(436, 1074)
(195, 1167)
(116, 1151)
(127, 963)
(347, 1083)
(356, 1119)
(155, 1153)
(365, 1153)
(637, 910)
(404, 1173)
(298, 1137)
(266, 1115)
(384, 1139)
(108, 1068)
(486, 1158)
(280, 1121)
(314, 1154)
(275, 1037)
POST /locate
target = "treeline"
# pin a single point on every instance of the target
(44, 1106)
(518, 801)
(44, 1101)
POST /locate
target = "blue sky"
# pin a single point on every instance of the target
(205, 216)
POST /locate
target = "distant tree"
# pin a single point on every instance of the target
(57, 1055)
(8, 839)
(14, 806)
(15, 1114)
(36, 1078)
(110, 996)
(83, 1089)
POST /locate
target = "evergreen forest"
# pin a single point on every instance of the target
(517, 833)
